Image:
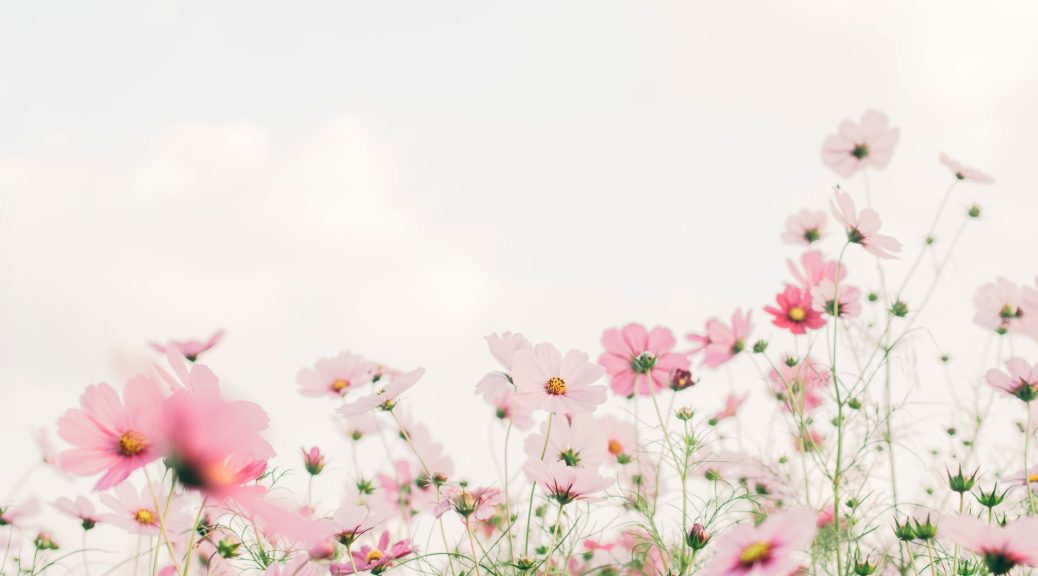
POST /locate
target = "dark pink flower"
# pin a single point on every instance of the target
(795, 311)
(722, 342)
(634, 355)
(772, 549)
(375, 559)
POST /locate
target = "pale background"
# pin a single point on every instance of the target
(400, 179)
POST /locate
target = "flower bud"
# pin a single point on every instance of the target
(990, 499)
(904, 532)
(697, 538)
(681, 379)
(313, 460)
(961, 483)
(926, 531)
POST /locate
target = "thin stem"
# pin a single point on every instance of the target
(162, 522)
(533, 487)
(1027, 472)
(472, 545)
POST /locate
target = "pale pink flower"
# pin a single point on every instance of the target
(1002, 306)
(732, 403)
(795, 311)
(81, 509)
(575, 441)
(640, 478)
(963, 172)
(1023, 478)
(191, 349)
(405, 492)
(112, 436)
(620, 439)
(814, 269)
(824, 298)
(360, 425)
(633, 355)
(15, 514)
(565, 483)
(351, 521)
(1021, 381)
(863, 227)
(385, 396)
(547, 380)
(48, 452)
(298, 566)
(1001, 547)
(499, 391)
(800, 386)
(771, 549)
(805, 227)
(722, 342)
(139, 511)
(431, 453)
(869, 144)
(504, 346)
(479, 503)
(336, 376)
(375, 559)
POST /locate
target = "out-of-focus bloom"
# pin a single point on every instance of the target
(869, 144)
(110, 435)
(336, 376)
(191, 349)
(1021, 381)
(479, 503)
(136, 510)
(1001, 547)
(771, 549)
(351, 521)
(847, 305)
(564, 483)
(48, 452)
(722, 342)
(547, 380)
(963, 172)
(814, 269)
(375, 559)
(313, 461)
(620, 439)
(407, 490)
(732, 402)
(1001, 306)
(575, 441)
(385, 397)
(360, 425)
(633, 355)
(808, 441)
(863, 227)
(299, 566)
(15, 514)
(504, 346)
(801, 385)
(81, 509)
(497, 389)
(805, 227)
(795, 311)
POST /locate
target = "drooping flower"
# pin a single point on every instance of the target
(574, 441)
(138, 511)
(360, 425)
(336, 376)
(771, 549)
(633, 355)
(863, 227)
(846, 304)
(722, 342)
(113, 436)
(547, 380)
(375, 559)
(565, 483)
(869, 144)
(1001, 306)
(386, 396)
(478, 503)
(963, 172)
(805, 227)
(795, 311)
(191, 349)
(1001, 547)
(799, 386)
(814, 269)
(1021, 381)
(81, 509)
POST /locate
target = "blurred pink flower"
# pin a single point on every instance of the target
(771, 549)
(633, 354)
(191, 349)
(800, 386)
(351, 521)
(814, 269)
(336, 376)
(504, 346)
(722, 342)
(963, 172)
(479, 503)
(869, 144)
(497, 389)
(299, 566)
(1001, 547)
(137, 512)
(805, 227)
(81, 509)
(15, 514)
(313, 460)
(565, 483)
(795, 311)
(732, 403)
(547, 380)
(863, 227)
(620, 438)
(385, 397)
(575, 441)
(375, 559)
(824, 298)
(1002, 306)
(1021, 381)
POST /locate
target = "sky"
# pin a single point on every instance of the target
(402, 179)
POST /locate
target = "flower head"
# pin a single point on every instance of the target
(963, 172)
(1001, 548)
(386, 396)
(574, 441)
(635, 356)
(81, 509)
(191, 349)
(565, 483)
(795, 311)
(313, 461)
(1021, 381)
(722, 342)
(478, 503)
(1002, 306)
(863, 227)
(337, 376)
(799, 385)
(805, 227)
(135, 510)
(547, 380)
(869, 144)
(845, 304)
(375, 559)
(771, 549)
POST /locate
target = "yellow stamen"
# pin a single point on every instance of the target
(754, 553)
(374, 556)
(797, 314)
(132, 443)
(144, 517)
(339, 385)
(556, 386)
(615, 448)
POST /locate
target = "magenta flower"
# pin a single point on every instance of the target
(805, 227)
(1021, 381)
(547, 380)
(113, 436)
(1001, 547)
(336, 376)
(846, 304)
(386, 396)
(963, 172)
(375, 559)
(633, 355)
(565, 483)
(771, 549)
(1002, 306)
(722, 342)
(863, 227)
(795, 311)
(869, 144)
(81, 509)
(191, 349)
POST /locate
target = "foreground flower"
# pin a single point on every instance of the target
(1021, 381)
(547, 380)
(805, 227)
(722, 342)
(191, 349)
(1001, 306)
(376, 559)
(299, 566)
(565, 483)
(81, 509)
(869, 144)
(634, 355)
(1001, 547)
(385, 397)
(336, 376)
(771, 549)
(113, 436)
(795, 311)
(963, 172)
(863, 227)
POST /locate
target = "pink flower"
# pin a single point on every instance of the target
(814, 270)
(805, 227)
(110, 435)
(1001, 547)
(722, 342)
(565, 483)
(824, 297)
(375, 559)
(479, 503)
(81, 509)
(191, 349)
(405, 491)
(633, 355)
(800, 386)
(575, 441)
(863, 227)
(770, 549)
(1021, 381)
(336, 376)
(313, 461)
(795, 312)
(545, 380)
(299, 566)
(352, 521)
(620, 439)
(963, 172)
(385, 397)
(504, 346)
(359, 426)
(731, 408)
(15, 514)
(808, 441)
(497, 389)
(1001, 306)
(139, 511)
(856, 146)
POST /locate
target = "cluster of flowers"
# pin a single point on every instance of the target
(600, 491)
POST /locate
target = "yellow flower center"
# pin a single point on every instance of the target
(615, 448)
(797, 314)
(1033, 477)
(556, 386)
(754, 553)
(374, 556)
(132, 443)
(144, 517)
(339, 385)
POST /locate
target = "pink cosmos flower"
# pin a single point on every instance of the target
(136, 510)
(795, 312)
(15, 514)
(722, 342)
(575, 441)
(336, 376)
(547, 380)
(1001, 306)
(633, 355)
(963, 172)
(863, 227)
(81, 509)
(299, 566)
(805, 227)
(385, 397)
(1021, 381)
(565, 483)
(191, 349)
(431, 453)
(351, 521)
(800, 386)
(361, 425)
(857, 146)
(497, 389)
(1001, 547)
(504, 346)
(824, 298)
(479, 503)
(620, 439)
(48, 452)
(771, 549)
(110, 435)
(403, 490)
(732, 403)
(808, 441)
(814, 270)
(375, 559)
(313, 460)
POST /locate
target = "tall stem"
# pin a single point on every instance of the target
(1027, 472)
(529, 507)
